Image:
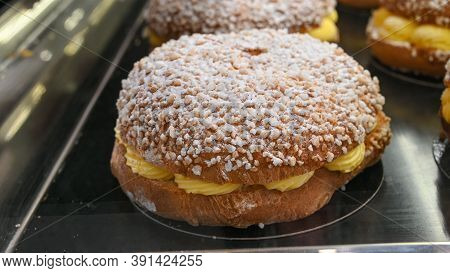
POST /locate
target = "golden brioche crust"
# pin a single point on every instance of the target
(252, 205)
(421, 11)
(360, 3)
(173, 18)
(408, 58)
(405, 56)
(230, 107)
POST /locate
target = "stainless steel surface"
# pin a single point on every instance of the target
(44, 87)
(19, 27)
(84, 209)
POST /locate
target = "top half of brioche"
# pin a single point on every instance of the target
(421, 11)
(172, 18)
(220, 107)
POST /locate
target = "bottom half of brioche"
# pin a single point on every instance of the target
(408, 58)
(251, 204)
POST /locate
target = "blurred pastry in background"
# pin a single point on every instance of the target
(445, 104)
(412, 35)
(170, 19)
(365, 4)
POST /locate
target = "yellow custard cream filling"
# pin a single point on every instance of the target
(156, 40)
(348, 162)
(197, 186)
(290, 183)
(446, 105)
(397, 28)
(138, 165)
(145, 169)
(327, 31)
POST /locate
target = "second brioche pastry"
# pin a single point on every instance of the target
(169, 19)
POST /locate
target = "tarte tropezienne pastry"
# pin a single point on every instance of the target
(412, 35)
(170, 19)
(260, 126)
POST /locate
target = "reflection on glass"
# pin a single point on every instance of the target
(76, 43)
(73, 20)
(100, 11)
(20, 114)
(21, 20)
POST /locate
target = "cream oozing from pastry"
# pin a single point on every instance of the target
(348, 162)
(327, 31)
(397, 28)
(345, 163)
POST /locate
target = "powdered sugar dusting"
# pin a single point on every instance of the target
(172, 18)
(142, 201)
(244, 101)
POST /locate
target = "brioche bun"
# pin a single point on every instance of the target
(173, 18)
